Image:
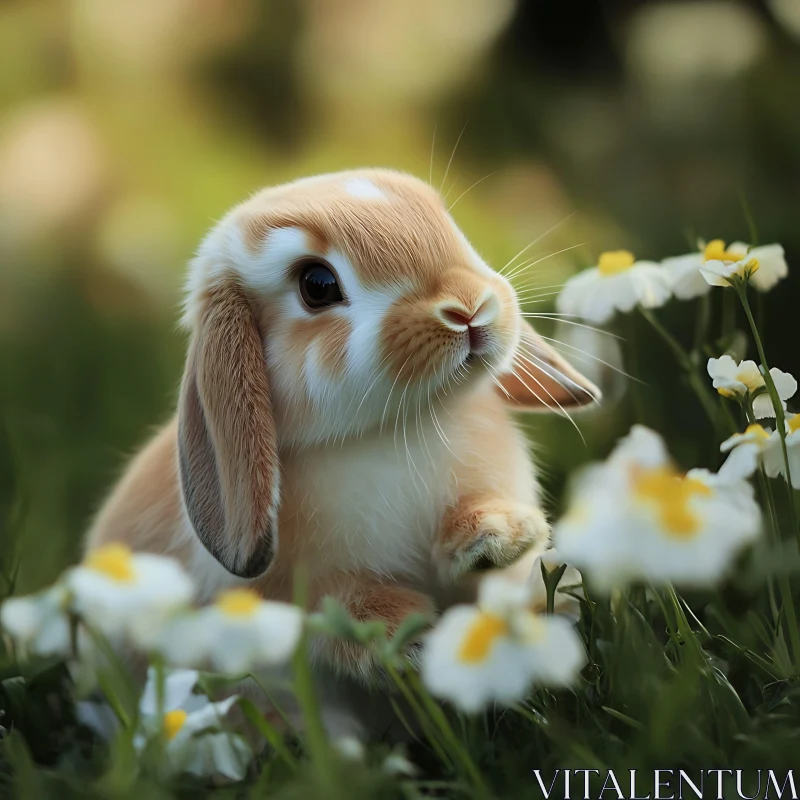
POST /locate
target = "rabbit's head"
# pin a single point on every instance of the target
(319, 309)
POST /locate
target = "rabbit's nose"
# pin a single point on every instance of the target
(459, 318)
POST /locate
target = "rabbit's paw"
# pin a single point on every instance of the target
(489, 534)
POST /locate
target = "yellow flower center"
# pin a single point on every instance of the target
(238, 602)
(115, 561)
(671, 493)
(753, 266)
(614, 262)
(481, 635)
(756, 430)
(752, 382)
(715, 251)
(793, 423)
(173, 722)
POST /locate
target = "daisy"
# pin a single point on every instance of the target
(762, 266)
(688, 279)
(122, 593)
(239, 632)
(38, 623)
(746, 379)
(685, 276)
(190, 723)
(349, 748)
(495, 650)
(635, 517)
(747, 449)
(617, 283)
(773, 456)
(397, 764)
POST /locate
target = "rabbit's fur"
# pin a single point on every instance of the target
(371, 442)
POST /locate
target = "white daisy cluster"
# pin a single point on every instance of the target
(145, 601)
(619, 282)
(635, 517)
(189, 730)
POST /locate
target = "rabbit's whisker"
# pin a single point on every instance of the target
(562, 318)
(485, 177)
(536, 298)
(409, 458)
(394, 383)
(433, 149)
(585, 354)
(421, 428)
(536, 362)
(452, 156)
(501, 387)
(374, 381)
(529, 287)
(527, 265)
(542, 386)
(537, 239)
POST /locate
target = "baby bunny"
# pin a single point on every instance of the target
(346, 407)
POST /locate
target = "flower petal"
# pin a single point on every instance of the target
(178, 685)
(741, 463)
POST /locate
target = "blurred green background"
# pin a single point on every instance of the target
(129, 127)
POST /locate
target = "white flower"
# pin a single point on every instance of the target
(761, 266)
(239, 632)
(635, 517)
(685, 276)
(746, 450)
(38, 623)
(565, 602)
(617, 283)
(349, 747)
(738, 380)
(772, 455)
(772, 266)
(122, 593)
(398, 764)
(495, 650)
(191, 726)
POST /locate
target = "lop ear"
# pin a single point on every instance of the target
(542, 380)
(227, 444)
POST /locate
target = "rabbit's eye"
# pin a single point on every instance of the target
(318, 285)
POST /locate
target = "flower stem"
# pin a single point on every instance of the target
(448, 736)
(315, 734)
(697, 383)
(769, 502)
(780, 418)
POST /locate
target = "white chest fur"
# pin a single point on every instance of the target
(374, 502)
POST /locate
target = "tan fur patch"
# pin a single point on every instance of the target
(366, 597)
(409, 238)
(413, 340)
(256, 227)
(491, 529)
(333, 347)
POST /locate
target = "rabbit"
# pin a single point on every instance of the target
(348, 407)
